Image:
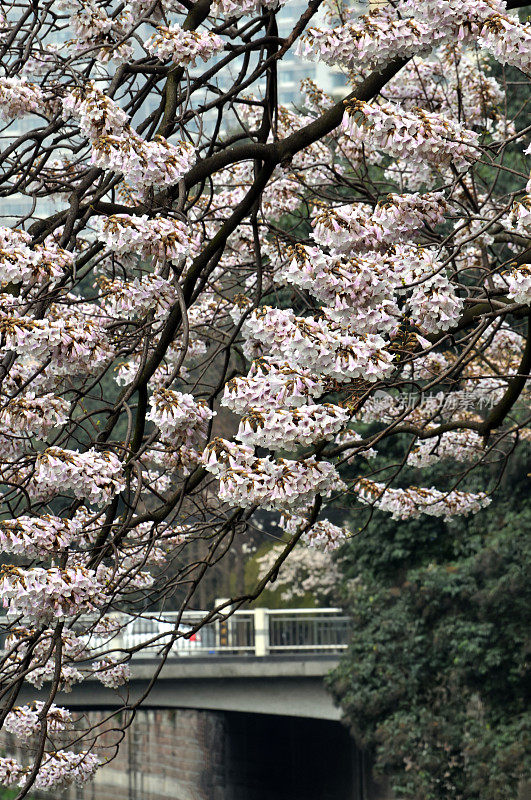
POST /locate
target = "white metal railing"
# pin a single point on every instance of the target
(259, 632)
(256, 632)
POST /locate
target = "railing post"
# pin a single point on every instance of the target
(222, 625)
(261, 632)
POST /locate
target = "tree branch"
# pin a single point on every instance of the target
(513, 392)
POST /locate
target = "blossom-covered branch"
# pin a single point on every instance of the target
(215, 307)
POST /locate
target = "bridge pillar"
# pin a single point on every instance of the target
(261, 632)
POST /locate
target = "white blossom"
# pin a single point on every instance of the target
(183, 47)
(410, 503)
(94, 475)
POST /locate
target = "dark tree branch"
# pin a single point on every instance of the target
(514, 390)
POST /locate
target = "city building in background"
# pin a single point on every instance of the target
(292, 70)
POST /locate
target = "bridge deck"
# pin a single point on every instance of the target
(284, 686)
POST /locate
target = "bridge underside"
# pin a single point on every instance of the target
(290, 687)
(238, 728)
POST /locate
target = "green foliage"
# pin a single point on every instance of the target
(433, 683)
(9, 793)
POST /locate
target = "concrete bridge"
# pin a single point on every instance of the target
(287, 686)
(239, 711)
(264, 661)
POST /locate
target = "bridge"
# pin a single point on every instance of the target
(260, 661)
(239, 711)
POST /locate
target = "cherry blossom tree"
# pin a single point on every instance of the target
(324, 276)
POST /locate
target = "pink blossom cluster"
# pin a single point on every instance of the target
(284, 429)
(111, 672)
(138, 297)
(362, 292)
(367, 41)
(456, 17)
(24, 721)
(520, 216)
(28, 415)
(508, 40)
(460, 445)
(18, 97)
(180, 418)
(62, 768)
(116, 146)
(317, 344)
(83, 344)
(20, 263)
(72, 347)
(455, 82)
(410, 503)
(419, 136)
(237, 8)
(110, 624)
(15, 256)
(88, 20)
(99, 116)
(396, 219)
(34, 536)
(518, 283)
(410, 28)
(271, 384)
(357, 291)
(45, 594)
(323, 534)
(245, 480)
(25, 335)
(94, 475)
(161, 237)
(433, 304)
(181, 46)
(41, 667)
(11, 771)
(94, 28)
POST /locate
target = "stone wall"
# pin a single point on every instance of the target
(205, 755)
(166, 754)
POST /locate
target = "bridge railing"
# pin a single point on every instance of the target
(255, 632)
(315, 630)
